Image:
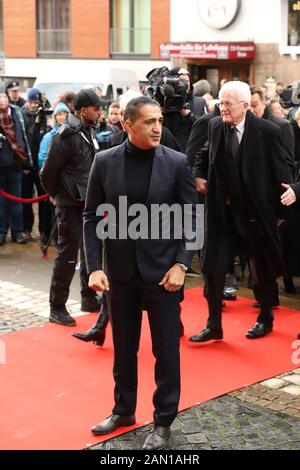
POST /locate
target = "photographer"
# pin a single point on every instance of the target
(172, 94)
(195, 103)
(35, 114)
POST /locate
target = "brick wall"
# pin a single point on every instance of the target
(19, 28)
(160, 25)
(269, 62)
(90, 29)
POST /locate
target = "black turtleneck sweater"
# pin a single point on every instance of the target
(138, 168)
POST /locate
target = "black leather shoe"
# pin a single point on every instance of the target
(206, 335)
(90, 303)
(259, 330)
(158, 438)
(2, 238)
(17, 237)
(61, 316)
(112, 423)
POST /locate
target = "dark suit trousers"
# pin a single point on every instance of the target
(264, 283)
(126, 300)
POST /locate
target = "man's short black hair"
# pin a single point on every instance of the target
(132, 108)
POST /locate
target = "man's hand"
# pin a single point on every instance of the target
(173, 280)
(98, 281)
(289, 197)
(201, 185)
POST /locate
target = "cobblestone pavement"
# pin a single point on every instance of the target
(225, 423)
(262, 416)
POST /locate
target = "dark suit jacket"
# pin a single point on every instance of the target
(171, 182)
(198, 137)
(264, 168)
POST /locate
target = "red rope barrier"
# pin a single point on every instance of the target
(23, 200)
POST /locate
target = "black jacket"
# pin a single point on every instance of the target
(171, 182)
(264, 168)
(66, 169)
(199, 136)
(180, 126)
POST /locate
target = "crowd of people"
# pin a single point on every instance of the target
(236, 153)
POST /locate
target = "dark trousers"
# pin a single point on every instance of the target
(264, 283)
(11, 211)
(30, 181)
(125, 300)
(69, 223)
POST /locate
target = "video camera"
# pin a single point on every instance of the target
(170, 91)
(44, 105)
(290, 96)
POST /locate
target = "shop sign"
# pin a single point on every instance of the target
(206, 50)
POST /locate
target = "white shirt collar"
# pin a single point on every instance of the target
(241, 126)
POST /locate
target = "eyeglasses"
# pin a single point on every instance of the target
(227, 104)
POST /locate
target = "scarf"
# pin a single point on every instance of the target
(6, 123)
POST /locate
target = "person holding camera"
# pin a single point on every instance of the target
(15, 158)
(35, 114)
(171, 92)
(64, 177)
(195, 103)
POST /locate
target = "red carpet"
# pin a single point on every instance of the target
(54, 387)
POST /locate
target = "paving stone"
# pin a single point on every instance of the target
(198, 438)
(273, 383)
(294, 379)
(292, 389)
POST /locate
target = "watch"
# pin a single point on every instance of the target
(183, 267)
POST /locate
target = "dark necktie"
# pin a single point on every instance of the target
(234, 141)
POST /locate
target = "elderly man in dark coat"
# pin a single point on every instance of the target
(246, 168)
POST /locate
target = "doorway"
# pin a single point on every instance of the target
(215, 71)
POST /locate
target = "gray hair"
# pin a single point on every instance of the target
(202, 87)
(241, 89)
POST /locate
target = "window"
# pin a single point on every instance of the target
(290, 43)
(1, 25)
(293, 38)
(130, 27)
(53, 27)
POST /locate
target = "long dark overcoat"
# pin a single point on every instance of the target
(264, 168)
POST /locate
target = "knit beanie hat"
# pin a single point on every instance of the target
(60, 107)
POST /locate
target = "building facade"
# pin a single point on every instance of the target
(50, 35)
(245, 39)
(215, 39)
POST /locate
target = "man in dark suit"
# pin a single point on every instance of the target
(246, 168)
(261, 110)
(141, 271)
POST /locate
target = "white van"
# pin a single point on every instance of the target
(112, 82)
